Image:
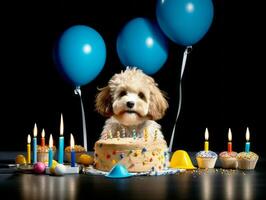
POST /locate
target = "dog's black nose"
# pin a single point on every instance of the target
(130, 104)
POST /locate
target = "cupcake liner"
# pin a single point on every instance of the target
(247, 164)
(229, 162)
(206, 163)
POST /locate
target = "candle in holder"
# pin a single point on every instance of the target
(61, 142)
(206, 143)
(35, 131)
(28, 150)
(73, 153)
(50, 151)
(43, 138)
(229, 145)
(247, 146)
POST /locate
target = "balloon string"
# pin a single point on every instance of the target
(186, 52)
(77, 91)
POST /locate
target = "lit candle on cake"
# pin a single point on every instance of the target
(206, 143)
(229, 146)
(247, 146)
(61, 142)
(50, 151)
(145, 134)
(124, 132)
(134, 134)
(28, 150)
(155, 135)
(73, 153)
(110, 134)
(35, 143)
(118, 135)
(43, 138)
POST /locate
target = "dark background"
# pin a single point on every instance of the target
(222, 84)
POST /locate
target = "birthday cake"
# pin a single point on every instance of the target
(136, 154)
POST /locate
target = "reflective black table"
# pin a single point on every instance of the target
(198, 184)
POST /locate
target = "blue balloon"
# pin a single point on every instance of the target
(80, 54)
(185, 21)
(142, 44)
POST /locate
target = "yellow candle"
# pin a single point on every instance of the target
(206, 143)
(145, 134)
(28, 149)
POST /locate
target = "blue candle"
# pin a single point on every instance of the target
(61, 150)
(35, 144)
(50, 151)
(73, 153)
(247, 146)
(61, 142)
(73, 158)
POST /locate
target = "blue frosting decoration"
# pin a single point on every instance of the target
(206, 154)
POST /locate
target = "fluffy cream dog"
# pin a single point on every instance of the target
(133, 102)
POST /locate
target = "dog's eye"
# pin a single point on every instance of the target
(122, 93)
(141, 95)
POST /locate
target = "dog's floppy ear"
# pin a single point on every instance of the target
(103, 102)
(158, 103)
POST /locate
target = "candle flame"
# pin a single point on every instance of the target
(51, 141)
(29, 139)
(43, 133)
(72, 142)
(247, 134)
(61, 125)
(206, 135)
(35, 130)
(229, 135)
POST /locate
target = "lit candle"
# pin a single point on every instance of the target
(50, 151)
(145, 134)
(247, 146)
(35, 131)
(155, 135)
(61, 142)
(43, 138)
(206, 143)
(118, 135)
(124, 132)
(73, 154)
(134, 134)
(110, 134)
(229, 146)
(28, 150)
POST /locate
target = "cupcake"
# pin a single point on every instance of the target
(247, 160)
(206, 159)
(79, 150)
(228, 159)
(42, 153)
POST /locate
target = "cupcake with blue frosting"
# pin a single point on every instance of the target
(206, 159)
